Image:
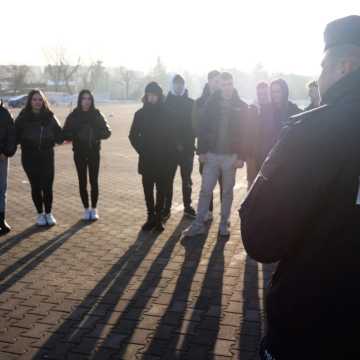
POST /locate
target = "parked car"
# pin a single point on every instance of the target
(17, 101)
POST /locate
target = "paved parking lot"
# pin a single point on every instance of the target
(107, 291)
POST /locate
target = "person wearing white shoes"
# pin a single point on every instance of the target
(221, 150)
(37, 131)
(210, 88)
(86, 127)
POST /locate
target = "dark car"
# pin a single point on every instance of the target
(17, 101)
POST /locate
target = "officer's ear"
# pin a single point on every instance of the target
(347, 66)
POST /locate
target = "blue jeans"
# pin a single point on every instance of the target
(4, 164)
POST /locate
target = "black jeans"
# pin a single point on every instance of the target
(161, 184)
(40, 169)
(88, 162)
(211, 206)
(186, 163)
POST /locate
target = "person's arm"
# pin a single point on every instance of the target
(57, 131)
(286, 196)
(10, 146)
(204, 129)
(68, 129)
(135, 134)
(104, 131)
(19, 128)
(195, 118)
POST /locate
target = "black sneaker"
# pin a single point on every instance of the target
(166, 215)
(159, 227)
(4, 226)
(150, 224)
(190, 212)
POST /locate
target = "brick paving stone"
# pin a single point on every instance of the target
(105, 289)
(223, 347)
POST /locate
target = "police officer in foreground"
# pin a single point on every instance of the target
(303, 212)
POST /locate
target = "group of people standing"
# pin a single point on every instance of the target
(302, 210)
(220, 127)
(37, 131)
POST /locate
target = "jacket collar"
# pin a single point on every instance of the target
(345, 89)
(235, 100)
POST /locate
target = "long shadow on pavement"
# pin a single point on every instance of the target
(14, 240)
(199, 341)
(126, 324)
(167, 334)
(86, 328)
(253, 325)
(29, 262)
(250, 327)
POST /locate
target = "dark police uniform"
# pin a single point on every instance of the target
(303, 212)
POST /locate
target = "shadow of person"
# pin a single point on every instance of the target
(126, 324)
(173, 317)
(30, 261)
(198, 337)
(107, 293)
(16, 239)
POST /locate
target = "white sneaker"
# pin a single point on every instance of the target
(94, 215)
(209, 217)
(194, 229)
(41, 220)
(87, 215)
(50, 220)
(224, 229)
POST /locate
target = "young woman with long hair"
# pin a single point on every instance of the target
(37, 131)
(86, 127)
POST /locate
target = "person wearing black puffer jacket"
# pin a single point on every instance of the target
(152, 137)
(86, 127)
(37, 131)
(7, 149)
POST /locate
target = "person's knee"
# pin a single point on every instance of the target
(207, 188)
(228, 191)
(94, 184)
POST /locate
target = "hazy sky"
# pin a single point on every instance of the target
(196, 35)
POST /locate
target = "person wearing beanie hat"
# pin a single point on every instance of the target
(153, 88)
(179, 105)
(303, 212)
(7, 149)
(151, 136)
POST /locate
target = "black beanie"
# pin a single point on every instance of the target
(343, 31)
(153, 88)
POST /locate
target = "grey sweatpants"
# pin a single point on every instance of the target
(4, 164)
(214, 167)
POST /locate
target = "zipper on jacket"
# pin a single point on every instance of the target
(41, 135)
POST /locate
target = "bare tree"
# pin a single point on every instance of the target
(59, 70)
(127, 77)
(17, 78)
(95, 76)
